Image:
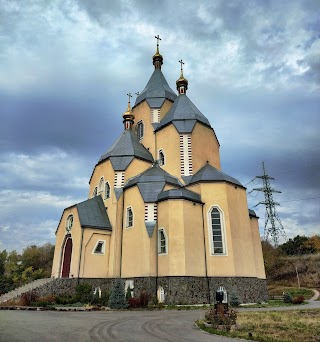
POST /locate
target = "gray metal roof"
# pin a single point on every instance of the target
(156, 88)
(151, 182)
(127, 145)
(92, 214)
(184, 126)
(179, 194)
(150, 225)
(208, 173)
(155, 102)
(120, 163)
(252, 213)
(183, 109)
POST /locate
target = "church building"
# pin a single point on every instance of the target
(160, 213)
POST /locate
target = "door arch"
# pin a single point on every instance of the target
(67, 253)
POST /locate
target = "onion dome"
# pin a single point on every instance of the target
(157, 57)
(128, 117)
(182, 82)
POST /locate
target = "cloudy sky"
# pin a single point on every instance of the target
(66, 66)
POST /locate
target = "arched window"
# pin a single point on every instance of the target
(129, 217)
(162, 242)
(107, 190)
(69, 223)
(161, 296)
(95, 192)
(101, 182)
(217, 232)
(225, 294)
(161, 157)
(140, 129)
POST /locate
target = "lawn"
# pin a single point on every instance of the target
(276, 326)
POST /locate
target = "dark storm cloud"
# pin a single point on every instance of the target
(66, 67)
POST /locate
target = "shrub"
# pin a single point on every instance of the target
(287, 298)
(226, 318)
(234, 300)
(28, 297)
(144, 299)
(298, 300)
(65, 300)
(134, 302)
(84, 293)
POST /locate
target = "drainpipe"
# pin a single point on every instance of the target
(122, 222)
(205, 253)
(80, 257)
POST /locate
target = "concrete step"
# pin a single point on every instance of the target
(24, 288)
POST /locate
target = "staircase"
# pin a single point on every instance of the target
(25, 288)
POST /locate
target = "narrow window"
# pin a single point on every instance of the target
(100, 188)
(95, 192)
(99, 247)
(107, 190)
(155, 115)
(140, 130)
(69, 223)
(217, 234)
(119, 179)
(162, 242)
(129, 217)
(150, 212)
(185, 155)
(161, 296)
(161, 158)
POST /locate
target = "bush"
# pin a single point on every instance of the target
(234, 300)
(28, 297)
(287, 298)
(226, 318)
(144, 299)
(298, 300)
(65, 300)
(84, 293)
(134, 302)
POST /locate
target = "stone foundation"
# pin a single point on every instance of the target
(177, 290)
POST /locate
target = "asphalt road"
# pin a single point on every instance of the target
(129, 326)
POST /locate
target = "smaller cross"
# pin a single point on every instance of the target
(138, 93)
(129, 94)
(181, 62)
(158, 38)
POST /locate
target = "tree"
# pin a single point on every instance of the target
(117, 298)
(297, 246)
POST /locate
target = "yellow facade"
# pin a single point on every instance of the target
(177, 226)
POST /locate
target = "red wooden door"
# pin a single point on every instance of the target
(67, 258)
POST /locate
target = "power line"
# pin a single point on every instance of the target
(302, 199)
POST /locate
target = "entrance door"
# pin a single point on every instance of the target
(67, 258)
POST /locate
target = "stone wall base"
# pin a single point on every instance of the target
(177, 290)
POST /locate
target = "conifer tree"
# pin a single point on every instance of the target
(117, 298)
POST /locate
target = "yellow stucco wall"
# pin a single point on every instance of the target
(205, 147)
(136, 244)
(258, 255)
(171, 149)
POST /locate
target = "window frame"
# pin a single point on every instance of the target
(162, 230)
(161, 162)
(140, 132)
(100, 185)
(222, 229)
(128, 223)
(95, 192)
(103, 251)
(69, 219)
(107, 192)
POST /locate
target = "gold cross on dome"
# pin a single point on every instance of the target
(157, 38)
(129, 95)
(181, 62)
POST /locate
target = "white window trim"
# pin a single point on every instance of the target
(105, 193)
(127, 218)
(95, 192)
(164, 157)
(138, 123)
(101, 185)
(103, 248)
(223, 232)
(159, 245)
(67, 223)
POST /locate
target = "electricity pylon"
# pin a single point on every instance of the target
(271, 213)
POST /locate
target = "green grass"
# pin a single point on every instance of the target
(293, 291)
(275, 326)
